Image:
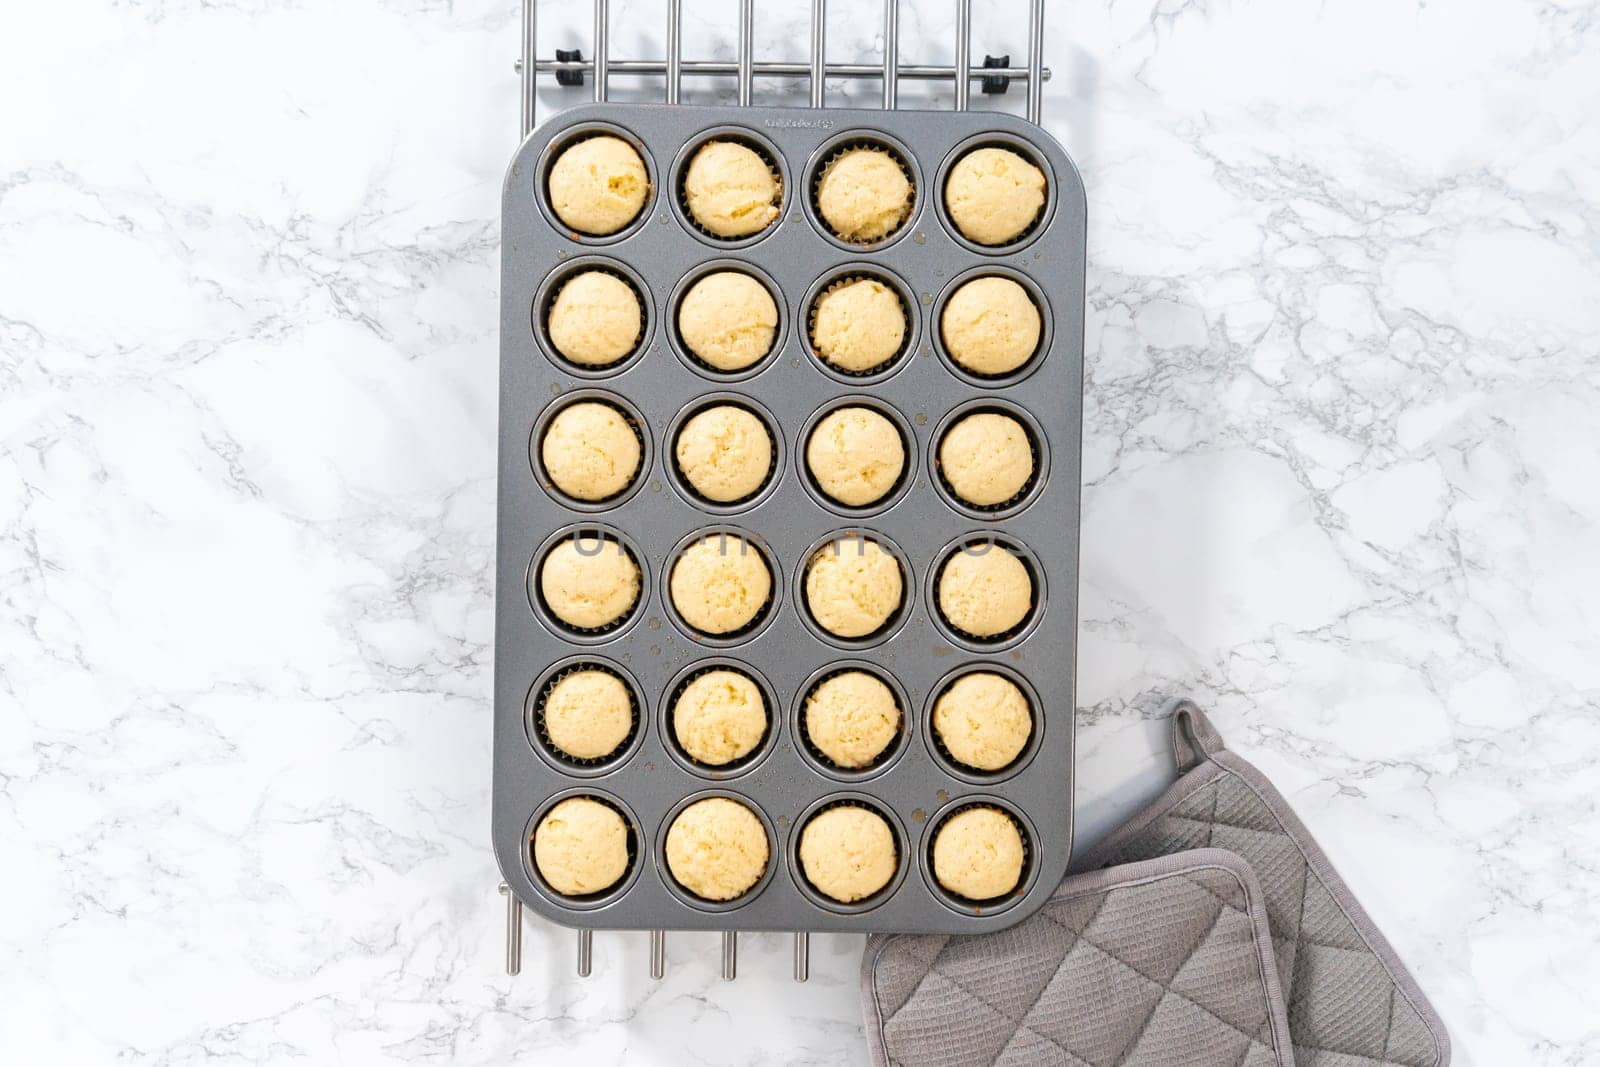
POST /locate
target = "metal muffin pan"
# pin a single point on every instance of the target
(916, 785)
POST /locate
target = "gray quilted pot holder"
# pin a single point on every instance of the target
(1351, 1002)
(1162, 963)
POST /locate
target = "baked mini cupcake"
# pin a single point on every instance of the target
(858, 325)
(717, 849)
(587, 714)
(986, 459)
(864, 195)
(724, 453)
(589, 582)
(856, 456)
(719, 717)
(982, 719)
(853, 587)
(598, 185)
(852, 718)
(590, 451)
(728, 320)
(993, 195)
(720, 584)
(596, 319)
(580, 847)
(848, 853)
(985, 591)
(731, 191)
(990, 326)
(978, 854)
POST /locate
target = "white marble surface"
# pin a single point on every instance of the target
(1341, 458)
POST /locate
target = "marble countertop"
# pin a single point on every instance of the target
(1341, 452)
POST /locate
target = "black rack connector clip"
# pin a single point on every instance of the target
(571, 78)
(996, 84)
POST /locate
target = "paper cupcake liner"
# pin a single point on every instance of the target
(682, 191)
(967, 768)
(555, 750)
(833, 287)
(692, 355)
(871, 900)
(615, 624)
(1005, 635)
(1022, 876)
(821, 757)
(591, 135)
(756, 620)
(833, 157)
(1014, 499)
(628, 420)
(1038, 216)
(895, 616)
(734, 765)
(766, 480)
(555, 292)
(631, 847)
(1003, 376)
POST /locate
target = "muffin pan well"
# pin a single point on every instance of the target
(650, 778)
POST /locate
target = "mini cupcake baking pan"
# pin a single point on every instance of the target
(784, 779)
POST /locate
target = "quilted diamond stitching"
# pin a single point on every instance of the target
(1074, 939)
(1182, 820)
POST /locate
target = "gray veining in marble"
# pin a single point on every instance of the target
(1341, 456)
